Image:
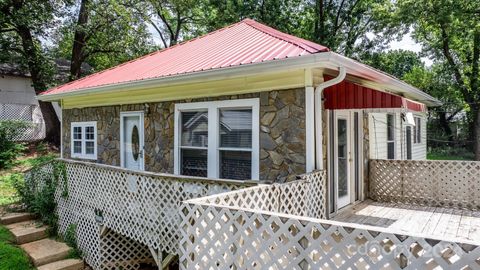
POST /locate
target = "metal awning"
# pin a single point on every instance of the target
(347, 95)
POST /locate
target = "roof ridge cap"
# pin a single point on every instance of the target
(301, 42)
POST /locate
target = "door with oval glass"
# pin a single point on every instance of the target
(131, 147)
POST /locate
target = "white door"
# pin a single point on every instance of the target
(342, 160)
(132, 154)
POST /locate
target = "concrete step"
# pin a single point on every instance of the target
(46, 251)
(10, 218)
(27, 231)
(68, 264)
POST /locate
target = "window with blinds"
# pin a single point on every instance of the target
(218, 139)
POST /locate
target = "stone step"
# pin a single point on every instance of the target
(68, 264)
(46, 251)
(10, 218)
(27, 231)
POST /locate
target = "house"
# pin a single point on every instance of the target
(245, 102)
(18, 102)
(173, 153)
(18, 99)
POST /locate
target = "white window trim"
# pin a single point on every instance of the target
(417, 130)
(213, 141)
(83, 155)
(393, 134)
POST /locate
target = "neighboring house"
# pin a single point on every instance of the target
(18, 102)
(245, 102)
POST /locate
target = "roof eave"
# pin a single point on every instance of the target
(328, 60)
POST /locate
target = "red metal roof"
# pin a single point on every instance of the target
(242, 43)
(348, 95)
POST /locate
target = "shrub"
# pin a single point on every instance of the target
(70, 238)
(9, 149)
(37, 192)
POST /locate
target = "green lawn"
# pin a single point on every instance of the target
(446, 157)
(11, 256)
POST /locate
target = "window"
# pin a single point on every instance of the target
(417, 130)
(390, 136)
(84, 140)
(217, 139)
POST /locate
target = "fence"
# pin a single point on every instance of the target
(251, 229)
(437, 183)
(123, 216)
(28, 113)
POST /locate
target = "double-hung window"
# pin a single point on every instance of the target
(417, 130)
(390, 136)
(84, 140)
(218, 139)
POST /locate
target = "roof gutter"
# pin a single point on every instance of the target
(342, 73)
(327, 60)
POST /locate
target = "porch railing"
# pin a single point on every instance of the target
(438, 183)
(251, 229)
(123, 216)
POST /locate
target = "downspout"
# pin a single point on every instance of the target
(318, 115)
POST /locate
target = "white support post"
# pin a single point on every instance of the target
(309, 122)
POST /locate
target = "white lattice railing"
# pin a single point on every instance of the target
(439, 183)
(249, 229)
(140, 210)
(25, 112)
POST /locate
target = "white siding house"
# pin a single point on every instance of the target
(377, 124)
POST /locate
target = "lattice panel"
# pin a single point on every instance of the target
(306, 197)
(438, 183)
(140, 209)
(120, 252)
(219, 237)
(25, 112)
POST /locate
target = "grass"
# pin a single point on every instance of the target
(11, 256)
(450, 153)
(437, 156)
(8, 194)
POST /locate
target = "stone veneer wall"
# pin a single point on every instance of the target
(282, 132)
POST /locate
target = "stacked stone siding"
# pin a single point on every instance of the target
(282, 132)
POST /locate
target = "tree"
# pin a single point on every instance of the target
(350, 27)
(103, 34)
(396, 63)
(23, 23)
(173, 20)
(437, 81)
(449, 31)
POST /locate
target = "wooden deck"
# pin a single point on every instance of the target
(432, 221)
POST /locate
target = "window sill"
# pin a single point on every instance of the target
(90, 157)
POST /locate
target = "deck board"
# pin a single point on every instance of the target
(434, 221)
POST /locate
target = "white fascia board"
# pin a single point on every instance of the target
(329, 60)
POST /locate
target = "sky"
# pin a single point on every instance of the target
(407, 43)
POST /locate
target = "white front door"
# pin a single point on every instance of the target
(131, 146)
(342, 160)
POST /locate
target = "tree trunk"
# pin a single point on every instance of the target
(442, 119)
(52, 124)
(476, 131)
(79, 42)
(37, 71)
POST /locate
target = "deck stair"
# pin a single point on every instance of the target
(31, 236)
